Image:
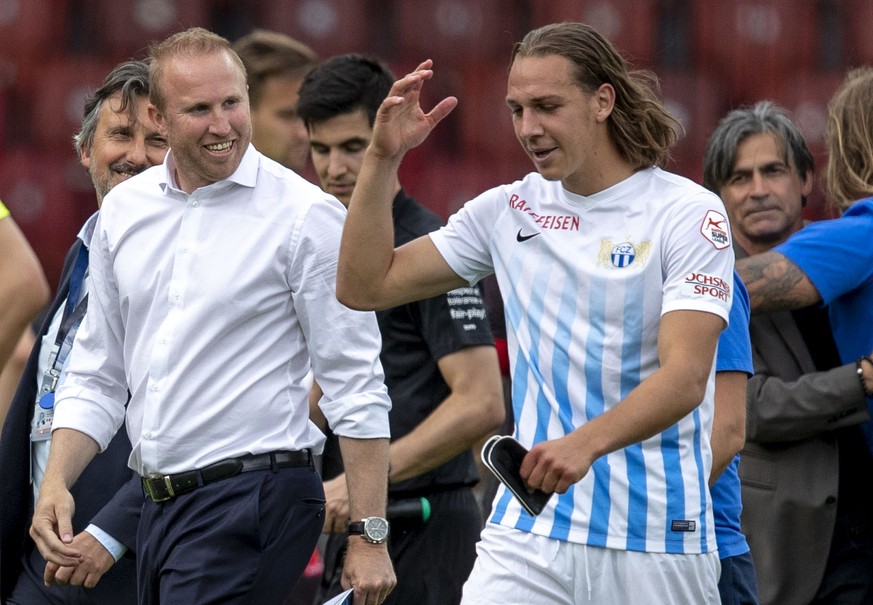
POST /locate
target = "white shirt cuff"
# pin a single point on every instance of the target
(115, 548)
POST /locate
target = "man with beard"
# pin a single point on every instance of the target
(117, 141)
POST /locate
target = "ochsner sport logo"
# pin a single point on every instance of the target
(704, 284)
(715, 228)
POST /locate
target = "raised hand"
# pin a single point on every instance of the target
(400, 123)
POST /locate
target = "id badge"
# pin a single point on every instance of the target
(44, 411)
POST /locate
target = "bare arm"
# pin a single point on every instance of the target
(473, 410)
(52, 527)
(10, 374)
(371, 273)
(367, 568)
(775, 283)
(686, 349)
(23, 287)
(729, 422)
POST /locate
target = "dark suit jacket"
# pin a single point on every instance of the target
(789, 468)
(107, 493)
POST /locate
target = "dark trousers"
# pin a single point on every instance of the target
(848, 577)
(431, 559)
(116, 587)
(243, 540)
(738, 583)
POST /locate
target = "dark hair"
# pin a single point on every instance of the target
(132, 79)
(640, 126)
(269, 54)
(761, 118)
(343, 84)
(849, 139)
(189, 43)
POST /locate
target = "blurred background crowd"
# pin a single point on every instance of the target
(711, 56)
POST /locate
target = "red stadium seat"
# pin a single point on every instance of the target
(857, 15)
(456, 30)
(445, 182)
(697, 99)
(127, 28)
(755, 43)
(806, 96)
(50, 195)
(629, 24)
(31, 28)
(330, 27)
(58, 98)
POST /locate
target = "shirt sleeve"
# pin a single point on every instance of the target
(734, 344)
(835, 254)
(464, 241)
(344, 344)
(115, 548)
(93, 395)
(697, 258)
(4, 211)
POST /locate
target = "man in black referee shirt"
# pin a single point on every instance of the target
(441, 366)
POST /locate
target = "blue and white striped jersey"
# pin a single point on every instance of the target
(585, 281)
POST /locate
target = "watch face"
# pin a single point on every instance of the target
(375, 529)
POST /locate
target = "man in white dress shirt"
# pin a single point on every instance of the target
(212, 295)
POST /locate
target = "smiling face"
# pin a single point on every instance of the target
(338, 145)
(561, 127)
(763, 194)
(206, 117)
(278, 132)
(125, 143)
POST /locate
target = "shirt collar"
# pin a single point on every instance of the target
(87, 231)
(246, 174)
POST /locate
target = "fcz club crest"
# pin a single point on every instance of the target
(622, 255)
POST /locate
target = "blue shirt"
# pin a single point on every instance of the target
(837, 257)
(734, 355)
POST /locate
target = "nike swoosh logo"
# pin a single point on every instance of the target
(523, 238)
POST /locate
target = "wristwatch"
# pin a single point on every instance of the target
(372, 529)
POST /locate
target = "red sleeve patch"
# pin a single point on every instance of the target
(715, 229)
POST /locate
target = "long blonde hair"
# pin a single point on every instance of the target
(849, 140)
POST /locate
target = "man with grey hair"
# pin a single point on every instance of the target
(117, 141)
(804, 450)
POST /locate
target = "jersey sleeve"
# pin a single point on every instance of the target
(464, 242)
(698, 259)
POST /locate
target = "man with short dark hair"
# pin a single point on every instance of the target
(440, 364)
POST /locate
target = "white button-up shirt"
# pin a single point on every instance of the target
(211, 308)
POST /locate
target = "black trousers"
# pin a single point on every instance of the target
(116, 587)
(848, 577)
(242, 541)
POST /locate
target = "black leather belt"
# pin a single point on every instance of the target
(166, 487)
